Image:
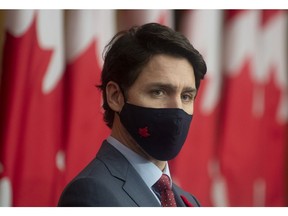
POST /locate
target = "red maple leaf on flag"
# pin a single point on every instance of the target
(31, 121)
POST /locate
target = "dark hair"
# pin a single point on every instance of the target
(129, 51)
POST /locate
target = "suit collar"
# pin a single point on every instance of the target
(120, 168)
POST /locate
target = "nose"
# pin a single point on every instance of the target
(175, 102)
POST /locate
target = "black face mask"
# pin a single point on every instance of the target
(161, 132)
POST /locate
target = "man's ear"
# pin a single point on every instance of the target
(115, 98)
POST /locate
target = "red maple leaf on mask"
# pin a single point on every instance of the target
(143, 132)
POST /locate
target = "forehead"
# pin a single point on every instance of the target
(167, 69)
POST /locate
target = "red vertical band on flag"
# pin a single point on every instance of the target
(30, 118)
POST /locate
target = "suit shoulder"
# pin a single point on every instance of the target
(94, 168)
(89, 191)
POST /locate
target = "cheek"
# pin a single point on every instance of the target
(146, 101)
(189, 109)
(136, 97)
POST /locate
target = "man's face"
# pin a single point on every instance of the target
(166, 82)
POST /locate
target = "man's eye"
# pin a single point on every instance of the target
(157, 92)
(187, 97)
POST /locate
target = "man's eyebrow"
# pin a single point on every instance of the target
(162, 85)
(190, 89)
(171, 87)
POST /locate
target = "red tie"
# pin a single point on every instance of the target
(166, 194)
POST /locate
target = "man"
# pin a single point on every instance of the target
(150, 78)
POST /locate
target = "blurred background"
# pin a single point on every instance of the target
(51, 117)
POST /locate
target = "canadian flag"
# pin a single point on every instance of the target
(273, 79)
(87, 33)
(240, 127)
(51, 116)
(31, 156)
(254, 108)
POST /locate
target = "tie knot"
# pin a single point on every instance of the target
(163, 183)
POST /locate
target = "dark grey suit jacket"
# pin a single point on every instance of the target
(111, 181)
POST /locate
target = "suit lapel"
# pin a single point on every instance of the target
(120, 168)
(136, 188)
